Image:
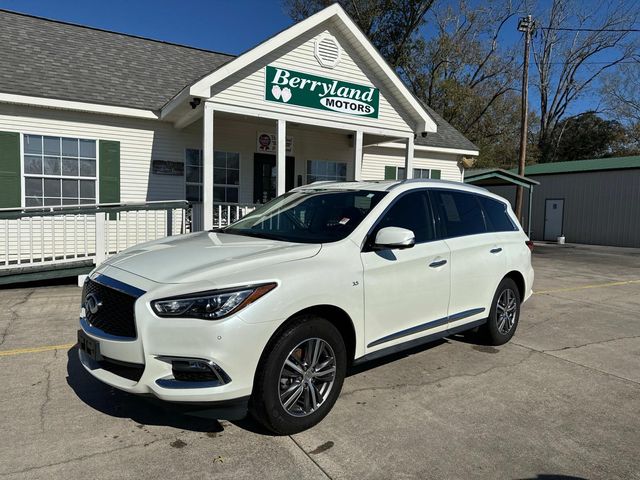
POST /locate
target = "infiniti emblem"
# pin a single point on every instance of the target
(92, 303)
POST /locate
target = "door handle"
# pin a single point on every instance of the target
(437, 263)
(496, 250)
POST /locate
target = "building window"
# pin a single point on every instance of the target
(193, 175)
(398, 173)
(59, 171)
(421, 173)
(226, 176)
(323, 170)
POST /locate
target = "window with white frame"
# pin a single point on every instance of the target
(323, 170)
(193, 175)
(226, 176)
(59, 170)
(421, 173)
(399, 173)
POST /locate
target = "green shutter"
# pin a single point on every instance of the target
(389, 173)
(436, 174)
(10, 181)
(109, 175)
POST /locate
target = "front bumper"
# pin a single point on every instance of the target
(231, 344)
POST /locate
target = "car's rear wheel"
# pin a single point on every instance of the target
(505, 313)
(300, 376)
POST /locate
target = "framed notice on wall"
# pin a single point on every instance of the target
(268, 143)
(165, 167)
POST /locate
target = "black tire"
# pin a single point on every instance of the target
(266, 405)
(497, 331)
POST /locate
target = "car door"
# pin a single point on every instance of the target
(477, 254)
(406, 290)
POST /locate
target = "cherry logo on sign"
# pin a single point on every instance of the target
(283, 94)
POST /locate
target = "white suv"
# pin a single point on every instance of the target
(268, 313)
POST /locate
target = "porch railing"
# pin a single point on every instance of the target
(223, 214)
(37, 236)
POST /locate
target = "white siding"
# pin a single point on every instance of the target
(246, 88)
(376, 158)
(140, 142)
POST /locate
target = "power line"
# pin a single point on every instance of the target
(569, 29)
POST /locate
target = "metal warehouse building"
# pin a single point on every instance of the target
(588, 201)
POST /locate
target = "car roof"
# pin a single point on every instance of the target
(399, 186)
(389, 185)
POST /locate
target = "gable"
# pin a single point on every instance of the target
(306, 88)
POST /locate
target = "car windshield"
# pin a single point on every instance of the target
(308, 216)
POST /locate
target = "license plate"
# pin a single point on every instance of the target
(89, 346)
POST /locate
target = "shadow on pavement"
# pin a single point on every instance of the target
(113, 402)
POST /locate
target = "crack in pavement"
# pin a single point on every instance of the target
(310, 458)
(14, 315)
(84, 457)
(47, 389)
(550, 354)
(442, 379)
(599, 342)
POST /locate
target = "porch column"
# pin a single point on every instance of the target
(357, 155)
(408, 158)
(207, 168)
(281, 158)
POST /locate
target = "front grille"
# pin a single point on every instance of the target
(115, 314)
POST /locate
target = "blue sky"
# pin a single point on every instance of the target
(221, 25)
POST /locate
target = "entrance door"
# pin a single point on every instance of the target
(553, 216)
(264, 176)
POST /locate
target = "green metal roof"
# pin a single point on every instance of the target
(497, 176)
(582, 166)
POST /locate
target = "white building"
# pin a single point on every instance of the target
(90, 117)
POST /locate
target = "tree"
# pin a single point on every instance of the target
(451, 56)
(464, 72)
(574, 47)
(621, 97)
(587, 136)
(391, 25)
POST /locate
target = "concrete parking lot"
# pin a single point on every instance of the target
(562, 400)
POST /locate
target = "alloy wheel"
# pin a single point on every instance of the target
(307, 377)
(507, 310)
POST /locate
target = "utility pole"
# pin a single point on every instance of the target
(526, 25)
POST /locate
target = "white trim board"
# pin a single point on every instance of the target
(202, 88)
(79, 106)
(347, 127)
(455, 151)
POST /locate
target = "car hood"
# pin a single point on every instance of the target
(206, 256)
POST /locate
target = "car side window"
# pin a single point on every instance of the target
(410, 211)
(496, 215)
(460, 213)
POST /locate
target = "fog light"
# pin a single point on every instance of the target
(195, 370)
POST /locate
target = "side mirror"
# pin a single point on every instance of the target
(394, 237)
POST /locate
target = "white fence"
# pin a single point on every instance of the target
(35, 237)
(223, 214)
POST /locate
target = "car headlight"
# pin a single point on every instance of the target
(210, 305)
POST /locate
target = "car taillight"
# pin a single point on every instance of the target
(529, 244)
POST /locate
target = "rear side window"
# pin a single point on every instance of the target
(410, 211)
(496, 215)
(460, 213)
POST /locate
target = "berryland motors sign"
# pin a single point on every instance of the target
(304, 90)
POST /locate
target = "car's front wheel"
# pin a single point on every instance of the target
(504, 314)
(300, 376)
